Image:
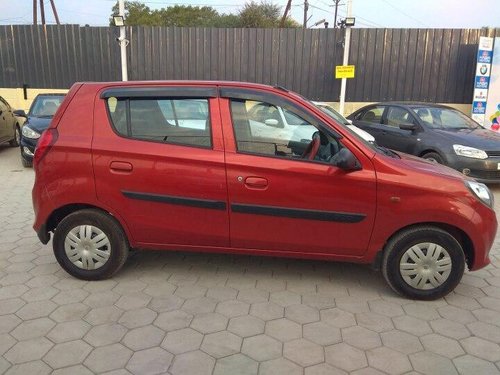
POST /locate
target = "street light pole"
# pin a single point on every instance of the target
(123, 41)
(347, 43)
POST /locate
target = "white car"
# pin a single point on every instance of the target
(328, 109)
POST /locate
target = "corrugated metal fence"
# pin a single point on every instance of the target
(391, 64)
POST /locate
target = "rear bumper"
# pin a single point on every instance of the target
(43, 234)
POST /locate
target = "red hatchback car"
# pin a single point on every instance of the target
(251, 169)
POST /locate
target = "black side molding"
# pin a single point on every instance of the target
(182, 201)
(298, 213)
(154, 92)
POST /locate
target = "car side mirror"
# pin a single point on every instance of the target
(346, 160)
(410, 127)
(20, 113)
(272, 122)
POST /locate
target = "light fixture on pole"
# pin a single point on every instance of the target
(118, 20)
(349, 21)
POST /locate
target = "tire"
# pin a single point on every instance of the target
(434, 157)
(96, 224)
(17, 137)
(398, 255)
(26, 163)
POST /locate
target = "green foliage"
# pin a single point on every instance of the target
(253, 14)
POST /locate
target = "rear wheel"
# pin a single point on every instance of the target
(434, 157)
(90, 245)
(423, 263)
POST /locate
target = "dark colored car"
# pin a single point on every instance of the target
(42, 110)
(434, 132)
(9, 124)
(182, 165)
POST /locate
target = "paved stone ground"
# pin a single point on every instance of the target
(180, 313)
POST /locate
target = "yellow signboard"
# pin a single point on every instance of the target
(344, 71)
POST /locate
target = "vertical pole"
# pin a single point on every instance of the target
(306, 8)
(336, 10)
(42, 12)
(123, 41)
(54, 10)
(345, 61)
(35, 11)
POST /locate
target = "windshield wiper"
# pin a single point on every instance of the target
(388, 152)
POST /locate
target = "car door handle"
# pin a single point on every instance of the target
(121, 166)
(256, 182)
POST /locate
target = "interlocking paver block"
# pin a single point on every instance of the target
(233, 308)
(102, 315)
(388, 360)
(195, 362)
(107, 358)
(173, 320)
(337, 318)
(468, 364)
(442, 345)
(322, 333)
(35, 367)
(481, 348)
(415, 326)
(361, 338)
(345, 357)
(137, 318)
(31, 329)
(285, 298)
(143, 337)
(283, 329)
(375, 322)
(450, 329)
(105, 334)
(246, 325)
(210, 322)
(324, 369)
(303, 352)
(29, 350)
(279, 366)
(68, 331)
(429, 364)
(302, 314)
(67, 354)
(221, 344)
(181, 341)
(261, 347)
(199, 305)
(150, 362)
(267, 310)
(236, 364)
(72, 311)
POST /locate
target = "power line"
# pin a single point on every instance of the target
(404, 13)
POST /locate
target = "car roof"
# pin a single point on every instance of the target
(412, 104)
(52, 94)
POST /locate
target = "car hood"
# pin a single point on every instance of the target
(426, 166)
(480, 138)
(38, 124)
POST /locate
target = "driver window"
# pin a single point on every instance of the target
(265, 129)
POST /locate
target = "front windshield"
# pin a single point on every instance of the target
(444, 118)
(45, 106)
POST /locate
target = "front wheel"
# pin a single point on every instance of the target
(423, 263)
(17, 137)
(434, 157)
(90, 245)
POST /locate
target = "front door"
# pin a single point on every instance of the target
(159, 163)
(286, 197)
(396, 138)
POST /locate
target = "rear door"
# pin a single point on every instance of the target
(159, 163)
(283, 201)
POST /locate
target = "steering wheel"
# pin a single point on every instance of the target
(312, 148)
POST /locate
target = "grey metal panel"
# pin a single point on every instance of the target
(391, 64)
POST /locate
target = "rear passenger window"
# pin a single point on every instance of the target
(178, 121)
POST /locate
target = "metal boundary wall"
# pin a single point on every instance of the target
(435, 65)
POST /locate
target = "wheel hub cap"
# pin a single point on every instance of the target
(425, 266)
(87, 247)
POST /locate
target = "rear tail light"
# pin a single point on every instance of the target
(45, 143)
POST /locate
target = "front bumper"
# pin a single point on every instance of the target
(482, 170)
(28, 146)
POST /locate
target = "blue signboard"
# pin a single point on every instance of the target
(478, 108)
(484, 56)
(482, 82)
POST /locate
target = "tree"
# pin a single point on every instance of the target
(264, 14)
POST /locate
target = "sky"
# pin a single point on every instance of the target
(368, 13)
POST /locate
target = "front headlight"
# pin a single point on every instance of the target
(481, 192)
(30, 133)
(469, 152)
